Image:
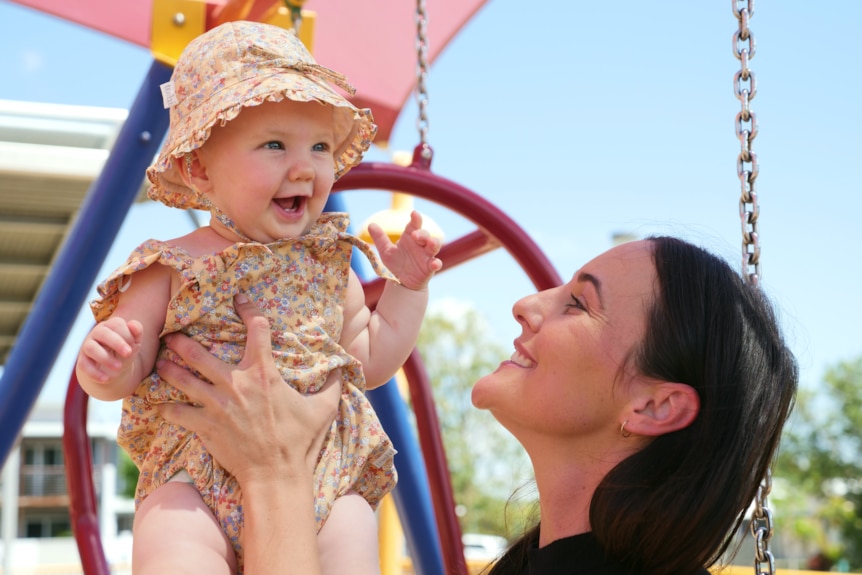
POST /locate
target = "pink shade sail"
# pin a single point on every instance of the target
(373, 42)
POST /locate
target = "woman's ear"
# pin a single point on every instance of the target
(660, 408)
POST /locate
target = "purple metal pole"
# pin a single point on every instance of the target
(81, 257)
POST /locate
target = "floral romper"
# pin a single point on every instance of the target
(300, 285)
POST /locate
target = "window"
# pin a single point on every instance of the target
(52, 455)
(50, 524)
(42, 473)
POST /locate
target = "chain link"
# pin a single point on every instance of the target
(745, 86)
(422, 76)
(762, 529)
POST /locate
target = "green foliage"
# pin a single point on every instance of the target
(128, 474)
(821, 457)
(486, 463)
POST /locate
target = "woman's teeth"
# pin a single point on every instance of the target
(521, 360)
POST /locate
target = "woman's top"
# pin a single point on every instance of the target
(575, 555)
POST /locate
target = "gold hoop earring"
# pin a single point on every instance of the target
(623, 431)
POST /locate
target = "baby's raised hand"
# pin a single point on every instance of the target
(109, 351)
(413, 259)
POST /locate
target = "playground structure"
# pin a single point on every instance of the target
(426, 506)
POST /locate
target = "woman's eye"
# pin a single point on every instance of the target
(576, 304)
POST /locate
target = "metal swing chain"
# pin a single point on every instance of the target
(762, 529)
(422, 76)
(745, 87)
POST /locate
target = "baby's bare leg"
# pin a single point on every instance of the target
(348, 540)
(175, 532)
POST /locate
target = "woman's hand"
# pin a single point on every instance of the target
(252, 422)
(267, 434)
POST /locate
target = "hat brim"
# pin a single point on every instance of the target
(354, 128)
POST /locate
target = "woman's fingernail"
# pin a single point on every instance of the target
(241, 298)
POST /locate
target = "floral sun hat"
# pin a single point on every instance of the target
(239, 64)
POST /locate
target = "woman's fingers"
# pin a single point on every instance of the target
(187, 416)
(197, 390)
(326, 399)
(326, 404)
(197, 357)
(258, 343)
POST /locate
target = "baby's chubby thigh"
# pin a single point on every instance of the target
(175, 532)
(348, 539)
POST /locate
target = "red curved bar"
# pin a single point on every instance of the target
(83, 510)
(429, 186)
(496, 229)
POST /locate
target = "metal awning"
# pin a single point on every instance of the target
(49, 156)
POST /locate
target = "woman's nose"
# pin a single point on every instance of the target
(527, 311)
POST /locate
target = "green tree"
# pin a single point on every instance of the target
(485, 461)
(821, 457)
(128, 474)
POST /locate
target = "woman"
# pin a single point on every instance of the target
(649, 392)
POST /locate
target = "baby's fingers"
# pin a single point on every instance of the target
(98, 362)
(415, 222)
(117, 335)
(380, 238)
(424, 239)
(91, 368)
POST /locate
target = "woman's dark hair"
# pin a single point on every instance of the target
(674, 506)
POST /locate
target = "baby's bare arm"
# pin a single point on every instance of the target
(120, 351)
(383, 340)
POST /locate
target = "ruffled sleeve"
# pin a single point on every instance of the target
(145, 255)
(337, 223)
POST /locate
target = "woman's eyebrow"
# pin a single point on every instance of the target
(597, 284)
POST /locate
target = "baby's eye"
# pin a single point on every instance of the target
(321, 147)
(274, 145)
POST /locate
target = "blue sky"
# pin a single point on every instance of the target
(581, 120)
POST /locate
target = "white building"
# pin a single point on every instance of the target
(36, 524)
(49, 156)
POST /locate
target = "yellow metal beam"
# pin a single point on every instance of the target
(175, 23)
(390, 537)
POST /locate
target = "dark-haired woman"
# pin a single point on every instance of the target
(649, 391)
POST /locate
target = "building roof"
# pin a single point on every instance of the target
(50, 154)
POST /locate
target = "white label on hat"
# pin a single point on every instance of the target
(169, 97)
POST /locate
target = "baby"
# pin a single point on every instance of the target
(257, 137)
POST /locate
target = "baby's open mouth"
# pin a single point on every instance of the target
(291, 204)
